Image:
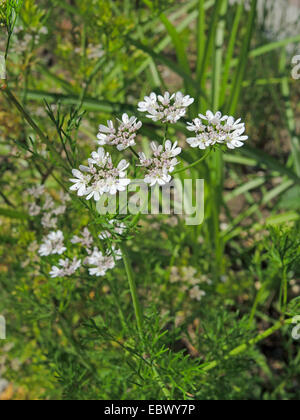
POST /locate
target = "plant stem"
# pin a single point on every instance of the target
(284, 289)
(166, 134)
(252, 342)
(193, 164)
(133, 290)
(138, 313)
(134, 152)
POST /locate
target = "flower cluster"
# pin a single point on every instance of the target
(211, 129)
(24, 41)
(167, 108)
(45, 206)
(100, 263)
(66, 268)
(187, 277)
(86, 240)
(123, 137)
(93, 51)
(196, 293)
(100, 177)
(53, 244)
(162, 164)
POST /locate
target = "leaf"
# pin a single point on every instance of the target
(290, 200)
(282, 218)
(263, 159)
(168, 63)
(241, 69)
(13, 214)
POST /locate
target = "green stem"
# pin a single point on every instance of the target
(193, 164)
(138, 313)
(243, 347)
(166, 134)
(7, 44)
(134, 152)
(112, 285)
(133, 290)
(284, 289)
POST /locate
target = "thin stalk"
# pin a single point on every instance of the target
(166, 134)
(216, 187)
(243, 347)
(217, 159)
(133, 290)
(7, 44)
(284, 289)
(193, 164)
(200, 36)
(217, 58)
(134, 152)
(111, 284)
(209, 46)
(138, 313)
(230, 50)
(241, 69)
(289, 113)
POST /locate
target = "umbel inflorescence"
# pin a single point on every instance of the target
(101, 176)
(70, 255)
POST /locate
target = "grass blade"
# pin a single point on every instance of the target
(240, 71)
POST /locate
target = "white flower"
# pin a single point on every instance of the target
(56, 272)
(196, 125)
(64, 198)
(117, 253)
(214, 119)
(86, 239)
(202, 141)
(162, 164)
(100, 263)
(171, 150)
(196, 293)
(211, 129)
(34, 209)
(80, 182)
(168, 108)
(36, 192)
(100, 177)
(48, 221)
(123, 137)
(66, 268)
(235, 139)
(94, 51)
(49, 203)
(99, 158)
(53, 244)
(58, 211)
